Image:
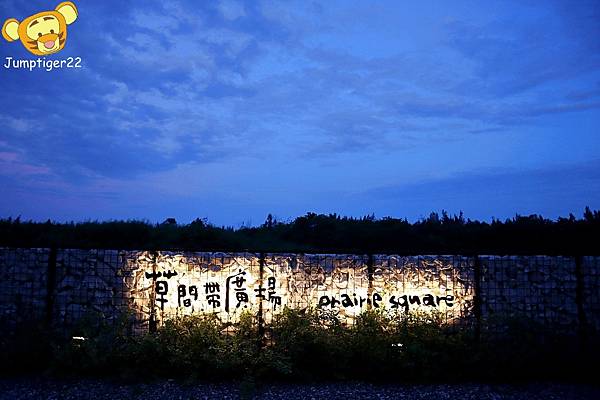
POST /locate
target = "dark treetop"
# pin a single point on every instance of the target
(437, 234)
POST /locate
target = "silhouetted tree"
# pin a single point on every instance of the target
(448, 234)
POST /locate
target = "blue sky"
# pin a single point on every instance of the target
(231, 110)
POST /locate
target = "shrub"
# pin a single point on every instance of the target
(301, 345)
(305, 348)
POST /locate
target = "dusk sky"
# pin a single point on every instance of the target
(232, 110)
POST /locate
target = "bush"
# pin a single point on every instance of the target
(301, 345)
(305, 348)
(25, 349)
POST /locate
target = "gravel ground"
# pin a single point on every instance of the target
(100, 389)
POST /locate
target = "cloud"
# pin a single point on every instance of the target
(531, 53)
(12, 164)
(231, 9)
(553, 191)
(18, 125)
(166, 86)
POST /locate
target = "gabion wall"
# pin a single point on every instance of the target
(63, 286)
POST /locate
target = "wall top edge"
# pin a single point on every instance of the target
(290, 254)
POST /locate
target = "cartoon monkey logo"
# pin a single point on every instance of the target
(42, 33)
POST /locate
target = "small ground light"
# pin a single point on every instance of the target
(78, 341)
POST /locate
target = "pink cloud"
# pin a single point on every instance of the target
(11, 164)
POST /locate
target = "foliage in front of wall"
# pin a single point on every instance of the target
(300, 346)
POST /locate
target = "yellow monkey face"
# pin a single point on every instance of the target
(42, 33)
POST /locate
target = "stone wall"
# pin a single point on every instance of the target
(62, 286)
(23, 284)
(540, 288)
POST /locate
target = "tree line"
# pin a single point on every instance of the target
(319, 233)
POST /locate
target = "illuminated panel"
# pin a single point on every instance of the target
(338, 286)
